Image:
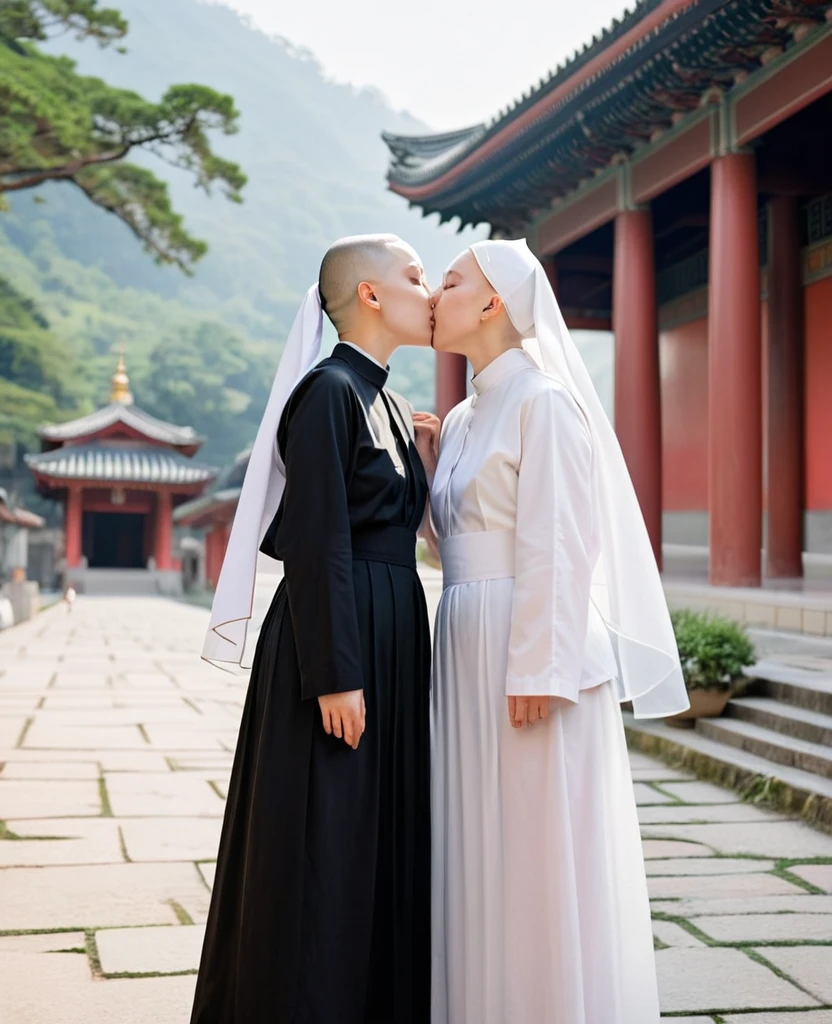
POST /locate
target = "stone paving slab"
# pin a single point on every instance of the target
(720, 886)
(10, 730)
(810, 1017)
(171, 839)
(722, 980)
(708, 866)
(781, 839)
(39, 983)
(664, 848)
(150, 950)
(58, 841)
(51, 942)
(101, 896)
(177, 794)
(208, 872)
(39, 798)
(646, 795)
(53, 737)
(671, 934)
(699, 907)
(50, 770)
(750, 928)
(675, 814)
(700, 793)
(119, 693)
(810, 966)
(816, 874)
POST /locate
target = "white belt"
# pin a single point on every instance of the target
(471, 557)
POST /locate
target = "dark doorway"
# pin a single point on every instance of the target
(114, 540)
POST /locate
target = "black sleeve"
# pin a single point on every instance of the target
(313, 534)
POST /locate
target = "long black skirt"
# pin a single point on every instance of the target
(320, 911)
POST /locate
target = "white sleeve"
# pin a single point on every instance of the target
(552, 550)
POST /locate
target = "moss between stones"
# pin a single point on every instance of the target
(768, 791)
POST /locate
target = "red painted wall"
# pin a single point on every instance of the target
(683, 361)
(818, 313)
(683, 353)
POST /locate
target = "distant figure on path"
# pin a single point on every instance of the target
(320, 911)
(69, 597)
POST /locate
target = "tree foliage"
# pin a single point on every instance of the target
(40, 20)
(57, 125)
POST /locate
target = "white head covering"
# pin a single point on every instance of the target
(262, 490)
(626, 587)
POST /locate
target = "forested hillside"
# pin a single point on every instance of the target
(75, 282)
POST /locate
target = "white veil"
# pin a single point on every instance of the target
(626, 587)
(262, 490)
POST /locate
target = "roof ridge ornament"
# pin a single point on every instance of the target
(120, 393)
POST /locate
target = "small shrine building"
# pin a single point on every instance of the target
(119, 473)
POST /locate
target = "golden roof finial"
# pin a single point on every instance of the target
(120, 391)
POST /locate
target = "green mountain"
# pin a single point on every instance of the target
(203, 349)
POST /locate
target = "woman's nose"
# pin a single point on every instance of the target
(434, 298)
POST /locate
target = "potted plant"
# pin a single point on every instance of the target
(713, 651)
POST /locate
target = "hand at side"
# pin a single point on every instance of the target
(344, 715)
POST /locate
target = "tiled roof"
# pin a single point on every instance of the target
(130, 416)
(119, 465)
(189, 510)
(623, 91)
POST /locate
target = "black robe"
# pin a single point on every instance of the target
(320, 912)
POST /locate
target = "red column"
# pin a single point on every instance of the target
(163, 530)
(734, 369)
(72, 527)
(638, 419)
(451, 382)
(784, 442)
(210, 571)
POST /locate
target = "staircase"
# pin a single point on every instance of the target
(775, 739)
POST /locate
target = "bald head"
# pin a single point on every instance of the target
(349, 262)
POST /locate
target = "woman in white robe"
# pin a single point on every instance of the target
(540, 907)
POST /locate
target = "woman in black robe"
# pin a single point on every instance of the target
(321, 906)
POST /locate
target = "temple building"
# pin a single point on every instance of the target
(119, 473)
(675, 177)
(212, 514)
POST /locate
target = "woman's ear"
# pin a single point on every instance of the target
(367, 295)
(493, 308)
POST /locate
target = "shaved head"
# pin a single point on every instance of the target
(350, 261)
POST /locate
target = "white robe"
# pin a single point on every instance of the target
(540, 907)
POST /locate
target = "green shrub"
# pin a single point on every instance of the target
(713, 650)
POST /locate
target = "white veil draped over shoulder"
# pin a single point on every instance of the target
(262, 490)
(626, 586)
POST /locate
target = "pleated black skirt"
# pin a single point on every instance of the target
(320, 911)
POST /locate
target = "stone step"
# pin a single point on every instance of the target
(771, 746)
(790, 685)
(786, 719)
(778, 785)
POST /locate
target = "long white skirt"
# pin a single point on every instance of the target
(540, 907)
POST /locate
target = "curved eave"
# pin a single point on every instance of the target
(134, 419)
(649, 20)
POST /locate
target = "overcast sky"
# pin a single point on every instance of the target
(450, 63)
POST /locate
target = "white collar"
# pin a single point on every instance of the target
(363, 353)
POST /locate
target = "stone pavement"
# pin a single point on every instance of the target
(115, 747)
